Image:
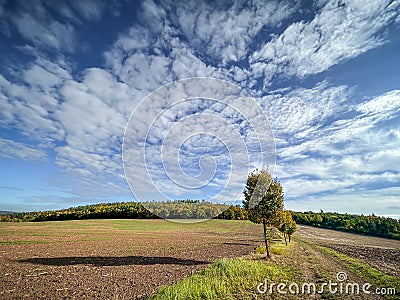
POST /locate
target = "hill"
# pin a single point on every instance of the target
(196, 209)
(5, 212)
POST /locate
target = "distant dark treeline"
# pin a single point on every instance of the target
(186, 209)
(195, 209)
(371, 225)
(180, 209)
(121, 210)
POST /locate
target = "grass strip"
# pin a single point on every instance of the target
(226, 279)
(365, 271)
(21, 242)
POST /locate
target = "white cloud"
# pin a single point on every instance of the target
(300, 112)
(132, 63)
(388, 102)
(336, 123)
(27, 111)
(89, 9)
(50, 24)
(148, 56)
(336, 33)
(380, 202)
(345, 154)
(38, 76)
(226, 32)
(384, 160)
(17, 150)
(94, 114)
(49, 33)
(87, 117)
(175, 117)
(326, 142)
(312, 176)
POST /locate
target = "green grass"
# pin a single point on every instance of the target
(105, 229)
(278, 248)
(260, 250)
(21, 242)
(226, 279)
(370, 274)
(222, 226)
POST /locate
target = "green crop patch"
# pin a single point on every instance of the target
(22, 242)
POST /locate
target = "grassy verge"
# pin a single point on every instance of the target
(278, 248)
(21, 242)
(226, 279)
(370, 274)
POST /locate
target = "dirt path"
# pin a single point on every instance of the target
(313, 266)
(383, 254)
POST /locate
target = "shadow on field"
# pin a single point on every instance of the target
(111, 261)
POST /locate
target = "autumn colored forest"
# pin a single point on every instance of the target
(196, 209)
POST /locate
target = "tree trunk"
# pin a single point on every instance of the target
(284, 235)
(289, 238)
(266, 239)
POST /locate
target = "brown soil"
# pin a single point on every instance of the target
(314, 266)
(130, 259)
(127, 265)
(384, 254)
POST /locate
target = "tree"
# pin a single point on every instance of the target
(263, 201)
(287, 225)
(290, 226)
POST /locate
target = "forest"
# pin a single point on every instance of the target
(179, 209)
(371, 225)
(200, 209)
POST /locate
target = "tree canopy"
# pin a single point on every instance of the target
(263, 201)
(287, 225)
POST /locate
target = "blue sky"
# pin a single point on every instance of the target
(323, 73)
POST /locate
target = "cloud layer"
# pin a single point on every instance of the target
(331, 139)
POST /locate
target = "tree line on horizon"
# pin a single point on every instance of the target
(370, 225)
(179, 209)
(194, 209)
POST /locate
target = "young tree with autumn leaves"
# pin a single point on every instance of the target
(287, 225)
(264, 202)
